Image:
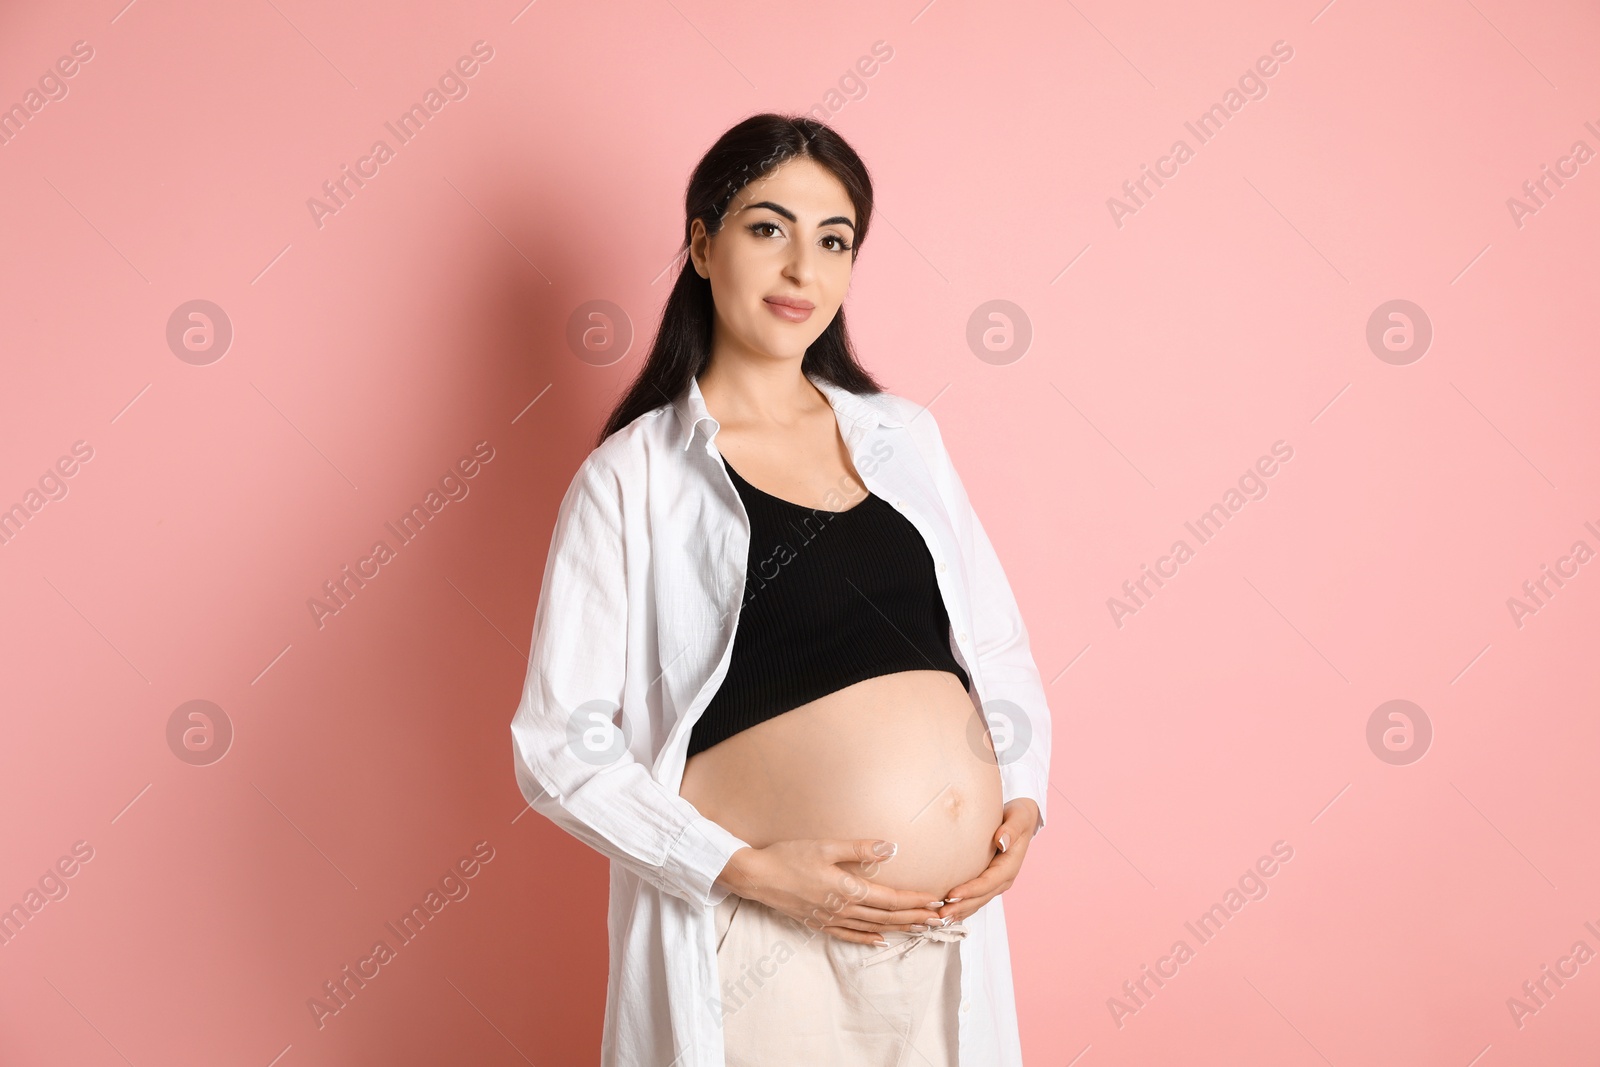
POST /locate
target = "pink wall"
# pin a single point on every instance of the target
(1173, 346)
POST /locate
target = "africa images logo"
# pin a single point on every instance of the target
(452, 85)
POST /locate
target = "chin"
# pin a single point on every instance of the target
(785, 347)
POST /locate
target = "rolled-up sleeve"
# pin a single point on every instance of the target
(1015, 704)
(571, 763)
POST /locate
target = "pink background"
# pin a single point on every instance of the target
(1167, 354)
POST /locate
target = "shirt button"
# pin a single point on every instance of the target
(966, 1005)
(962, 637)
(899, 503)
(941, 566)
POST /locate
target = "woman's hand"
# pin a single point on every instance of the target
(803, 880)
(1020, 823)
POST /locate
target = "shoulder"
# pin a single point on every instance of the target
(625, 457)
(917, 420)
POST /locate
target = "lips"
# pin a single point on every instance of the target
(791, 302)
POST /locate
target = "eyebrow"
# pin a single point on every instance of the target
(786, 213)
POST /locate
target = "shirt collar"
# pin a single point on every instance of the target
(868, 410)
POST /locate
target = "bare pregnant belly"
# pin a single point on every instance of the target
(901, 757)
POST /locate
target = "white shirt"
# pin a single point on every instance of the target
(641, 597)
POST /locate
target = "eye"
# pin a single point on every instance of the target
(759, 228)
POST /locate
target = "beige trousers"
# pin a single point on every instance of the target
(797, 997)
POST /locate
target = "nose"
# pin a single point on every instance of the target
(801, 265)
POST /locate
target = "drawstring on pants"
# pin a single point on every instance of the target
(953, 932)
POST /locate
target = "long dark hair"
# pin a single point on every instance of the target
(682, 346)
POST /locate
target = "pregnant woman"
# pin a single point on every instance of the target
(778, 675)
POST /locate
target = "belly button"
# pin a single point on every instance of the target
(952, 803)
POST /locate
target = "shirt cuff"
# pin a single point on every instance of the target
(697, 858)
(1021, 782)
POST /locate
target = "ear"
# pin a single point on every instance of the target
(698, 242)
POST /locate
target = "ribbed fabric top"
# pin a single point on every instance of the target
(830, 598)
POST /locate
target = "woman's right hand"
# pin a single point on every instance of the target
(803, 879)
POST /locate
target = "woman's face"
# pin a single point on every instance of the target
(785, 237)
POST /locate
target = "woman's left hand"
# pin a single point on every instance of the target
(1020, 823)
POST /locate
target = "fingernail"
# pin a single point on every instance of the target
(936, 904)
(881, 943)
(938, 922)
(919, 928)
(952, 900)
(885, 849)
(1004, 840)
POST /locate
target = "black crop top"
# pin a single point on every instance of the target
(830, 598)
